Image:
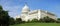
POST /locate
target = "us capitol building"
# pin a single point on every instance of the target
(26, 14)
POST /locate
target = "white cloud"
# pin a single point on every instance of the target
(13, 8)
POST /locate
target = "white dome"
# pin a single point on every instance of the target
(25, 8)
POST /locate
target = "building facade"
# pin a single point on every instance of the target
(26, 14)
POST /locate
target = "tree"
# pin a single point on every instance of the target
(58, 21)
(34, 20)
(1, 8)
(47, 19)
(58, 18)
(18, 20)
(11, 21)
(4, 17)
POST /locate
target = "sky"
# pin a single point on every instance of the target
(15, 6)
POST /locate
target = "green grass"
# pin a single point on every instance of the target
(37, 24)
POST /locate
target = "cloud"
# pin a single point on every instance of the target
(13, 7)
(13, 10)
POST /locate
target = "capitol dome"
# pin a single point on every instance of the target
(25, 8)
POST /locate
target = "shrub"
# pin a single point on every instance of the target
(35, 20)
(18, 20)
(47, 19)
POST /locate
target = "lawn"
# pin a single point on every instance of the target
(37, 24)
